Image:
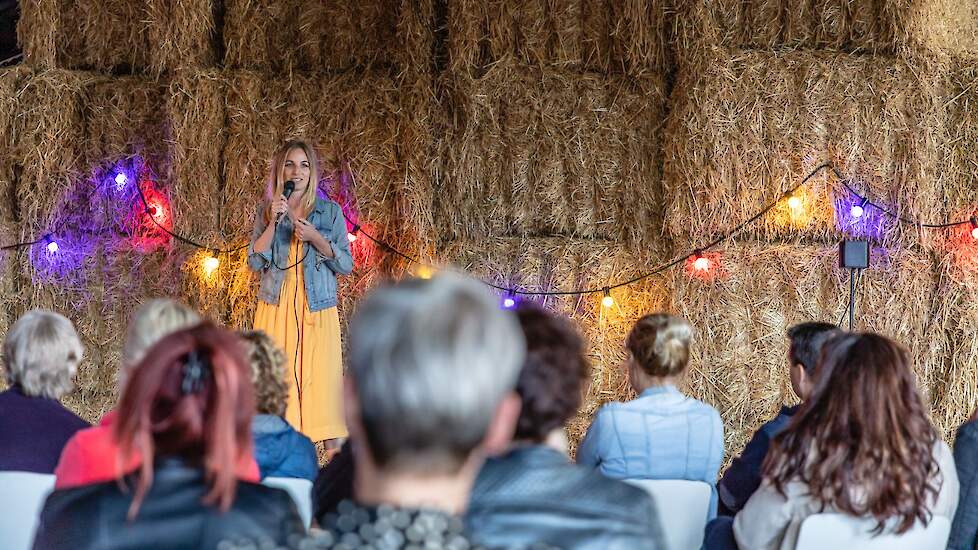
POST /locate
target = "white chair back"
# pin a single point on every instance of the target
(682, 506)
(837, 531)
(22, 496)
(301, 492)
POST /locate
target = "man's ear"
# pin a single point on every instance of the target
(503, 424)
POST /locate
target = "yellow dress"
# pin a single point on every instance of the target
(313, 355)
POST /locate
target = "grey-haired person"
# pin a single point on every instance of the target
(41, 354)
(429, 394)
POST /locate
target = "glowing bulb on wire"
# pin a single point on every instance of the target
(53, 247)
(974, 227)
(425, 272)
(607, 301)
(858, 210)
(352, 234)
(509, 302)
(121, 180)
(209, 265)
(700, 262)
(794, 202)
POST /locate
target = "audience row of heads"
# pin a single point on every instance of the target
(42, 352)
(439, 376)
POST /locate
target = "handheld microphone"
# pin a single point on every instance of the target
(289, 188)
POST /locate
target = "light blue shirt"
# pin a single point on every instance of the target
(660, 435)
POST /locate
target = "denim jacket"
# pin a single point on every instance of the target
(964, 528)
(280, 451)
(661, 435)
(318, 271)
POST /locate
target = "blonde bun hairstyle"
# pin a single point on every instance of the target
(659, 344)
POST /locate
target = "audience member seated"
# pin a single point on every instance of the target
(188, 405)
(429, 392)
(41, 354)
(862, 444)
(743, 477)
(89, 457)
(334, 483)
(279, 449)
(964, 529)
(662, 434)
(533, 493)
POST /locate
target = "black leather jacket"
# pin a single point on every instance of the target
(535, 494)
(170, 517)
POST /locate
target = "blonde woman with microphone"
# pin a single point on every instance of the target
(298, 247)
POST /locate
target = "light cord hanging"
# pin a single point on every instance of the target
(512, 291)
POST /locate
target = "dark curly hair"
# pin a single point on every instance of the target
(553, 374)
(864, 427)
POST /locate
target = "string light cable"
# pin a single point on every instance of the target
(865, 201)
(605, 290)
(513, 292)
(150, 214)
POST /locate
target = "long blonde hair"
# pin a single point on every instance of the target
(276, 175)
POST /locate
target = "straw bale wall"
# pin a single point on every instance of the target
(943, 27)
(553, 264)
(522, 138)
(295, 35)
(602, 36)
(739, 356)
(544, 144)
(747, 126)
(150, 36)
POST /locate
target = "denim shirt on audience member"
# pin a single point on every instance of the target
(964, 528)
(743, 477)
(662, 434)
(318, 271)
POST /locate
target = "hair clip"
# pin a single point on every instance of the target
(196, 368)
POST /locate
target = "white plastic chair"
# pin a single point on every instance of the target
(682, 507)
(22, 496)
(838, 531)
(301, 492)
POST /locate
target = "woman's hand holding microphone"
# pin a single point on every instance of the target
(280, 207)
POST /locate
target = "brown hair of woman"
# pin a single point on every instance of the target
(862, 442)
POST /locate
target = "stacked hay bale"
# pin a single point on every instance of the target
(555, 264)
(765, 93)
(150, 37)
(545, 145)
(551, 159)
(179, 99)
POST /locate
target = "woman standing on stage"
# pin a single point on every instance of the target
(299, 246)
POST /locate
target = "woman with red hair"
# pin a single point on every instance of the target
(188, 405)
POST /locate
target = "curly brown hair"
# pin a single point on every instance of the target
(862, 442)
(267, 372)
(553, 372)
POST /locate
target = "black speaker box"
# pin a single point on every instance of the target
(854, 254)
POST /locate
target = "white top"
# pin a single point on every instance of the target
(770, 521)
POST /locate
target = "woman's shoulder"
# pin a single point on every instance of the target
(324, 203)
(701, 407)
